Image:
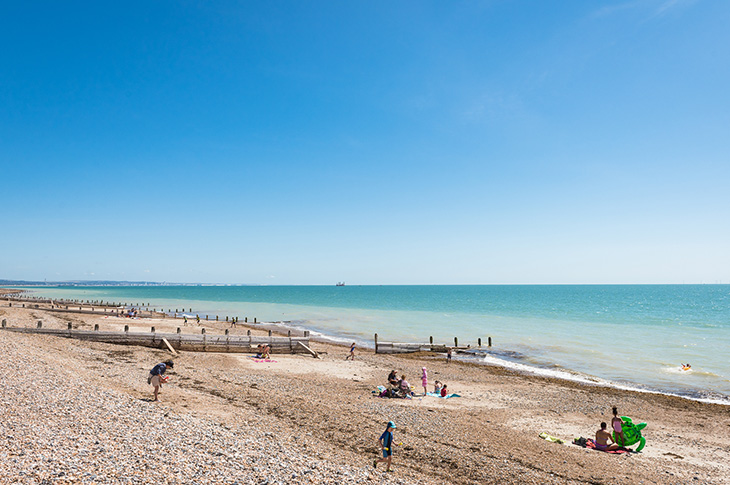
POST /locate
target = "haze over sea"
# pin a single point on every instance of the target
(632, 336)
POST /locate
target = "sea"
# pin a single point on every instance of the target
(623, 336)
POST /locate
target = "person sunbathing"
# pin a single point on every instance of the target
(602, 439)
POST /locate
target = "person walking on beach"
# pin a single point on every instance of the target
(185, 320)
(352, 352)
(617, 425)
(602, 439)
(156, 374)
(424, 381)
(386, 445)
(197, 319)
(448, 355)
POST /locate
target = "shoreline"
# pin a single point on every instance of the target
(489, 435)
(316, 335)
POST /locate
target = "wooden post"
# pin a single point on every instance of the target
(479, 340)
(489, 341)
(216, 318)
(178, 329)
(152, 330)
(430, 339)
(96, 327)
(456, 342)
(288, 333)
(202, 331)
(5, 322)
(376, 343)
(269, 333)
(69, 325)
(248, 332)
(306, 333)
(226, 331)
(226, 318)
(206, 318)
(126, 328)
(39, 324)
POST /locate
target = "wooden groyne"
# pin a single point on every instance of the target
(410, 347)
(179, 341)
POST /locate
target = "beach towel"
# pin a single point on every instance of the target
(592, 445)
(262, 360)
(553, 439)
(433, 394)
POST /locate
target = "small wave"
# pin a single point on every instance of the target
(564, 374)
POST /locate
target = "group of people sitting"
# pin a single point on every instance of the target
(263, 351)
(398, 387)
(439, 388)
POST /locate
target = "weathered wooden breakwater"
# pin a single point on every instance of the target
(179, 341)
(410, 347)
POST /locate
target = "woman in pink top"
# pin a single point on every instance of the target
(424, 381)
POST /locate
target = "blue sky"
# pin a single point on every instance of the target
(372, 142)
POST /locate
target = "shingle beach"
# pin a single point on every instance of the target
(81, 412)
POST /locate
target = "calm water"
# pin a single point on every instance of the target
(622, 335)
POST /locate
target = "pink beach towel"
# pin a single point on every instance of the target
(592, 445)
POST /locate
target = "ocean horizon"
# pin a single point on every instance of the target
(626, 336)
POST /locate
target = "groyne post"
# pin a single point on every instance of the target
(152, 330)
(178, 330)
(126, 328)
(96, 327)
(376, 343)
(430, 340)
(479, 341)
(489, 341)
(456, 341)
(39, 324)
(5, 322)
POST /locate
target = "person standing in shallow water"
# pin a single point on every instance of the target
(448, 355)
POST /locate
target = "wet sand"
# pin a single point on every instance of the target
(304, 420)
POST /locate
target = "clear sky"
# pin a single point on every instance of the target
(371, 142)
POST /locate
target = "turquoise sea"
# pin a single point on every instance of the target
(632, 336)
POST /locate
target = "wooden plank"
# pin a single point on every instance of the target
(314, 354)
(169, 346)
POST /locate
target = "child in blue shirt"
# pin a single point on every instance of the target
(386, 443)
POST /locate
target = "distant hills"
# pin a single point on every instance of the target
(91, 283)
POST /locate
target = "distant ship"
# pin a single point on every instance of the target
(341, 283)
